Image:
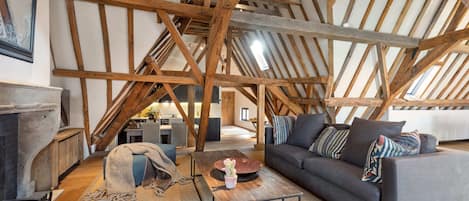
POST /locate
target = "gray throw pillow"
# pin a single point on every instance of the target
(306, 130)
(428, 143)
(364, 132)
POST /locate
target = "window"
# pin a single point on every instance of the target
(258, 52)
(244, 114)
(421, 81)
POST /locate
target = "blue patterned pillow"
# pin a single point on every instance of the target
(385, 147)
(282, 126)
(330, 142)
(410, 141)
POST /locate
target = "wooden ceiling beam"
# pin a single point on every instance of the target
(306, 101)
(406, 75)
(277, 92)
(127, 77)
(179, 9)
(375, 102)
(180, 77)
(309, 80)
(308, 28)
(172, 95)
(176, 36)
(445, 38)
(461, 48)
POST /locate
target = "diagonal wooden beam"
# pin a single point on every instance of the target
(176, 36)
(277, 92)
(445, 38)
(406, 76)
(179, 9)
(137, 92)
(247, 94)
(219, 26)
(172, 95)
(461, 48)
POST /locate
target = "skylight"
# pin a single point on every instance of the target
(257, 50)
(421, 81)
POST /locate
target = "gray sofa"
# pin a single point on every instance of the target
(434, 175)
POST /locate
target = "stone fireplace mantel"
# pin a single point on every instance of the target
(38, 110)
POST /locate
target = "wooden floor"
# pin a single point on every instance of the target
(89, 173)
(81, 178)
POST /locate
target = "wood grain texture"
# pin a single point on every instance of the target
(107, 52)
(260, 127)
(269, 185)
(217, 34)
(79, 59)
(291, 26)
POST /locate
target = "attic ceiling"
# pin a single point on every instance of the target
(349, 58)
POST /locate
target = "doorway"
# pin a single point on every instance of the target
(227, 107)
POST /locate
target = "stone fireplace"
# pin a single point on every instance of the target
(29, 120)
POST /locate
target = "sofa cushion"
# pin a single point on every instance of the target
(362, 134)
(307, 128)
(385, 147)
(330, 142)
(410, 141)
(344, 175)
(283, 126)
(427, 143)
(291, 154)
(339, 126)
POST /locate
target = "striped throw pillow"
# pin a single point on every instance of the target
(282, 126)
(330, 142)
(410, 141)
(385, 147)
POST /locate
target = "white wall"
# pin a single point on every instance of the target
(444, 124)
(37, 73)
(240, 102)
(146, 30)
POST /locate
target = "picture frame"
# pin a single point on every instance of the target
(17, 25)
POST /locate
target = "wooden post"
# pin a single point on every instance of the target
(260, 116)
(107, 52)
(383, 70)
(130, 40)
(80, 64)
(219, 26)
(229, 51)
(191, 112)
(330, 66)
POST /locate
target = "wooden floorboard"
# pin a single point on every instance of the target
(462, 145)
(81, 178)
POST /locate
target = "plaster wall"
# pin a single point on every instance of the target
(36, 73)
(446, 125)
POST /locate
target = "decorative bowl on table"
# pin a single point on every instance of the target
(246, 169)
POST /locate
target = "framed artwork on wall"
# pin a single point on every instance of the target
(17, 21)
